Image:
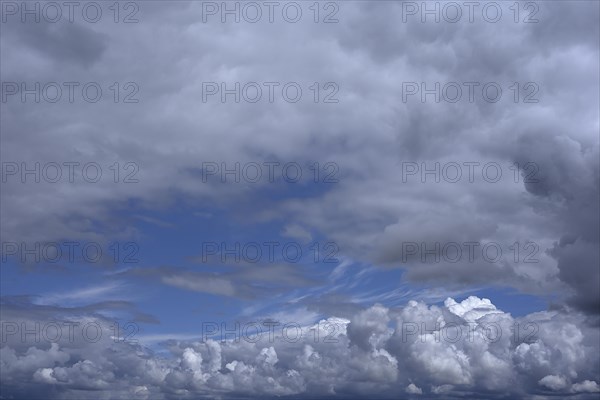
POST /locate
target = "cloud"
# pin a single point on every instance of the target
(586, 386)
(553, 382)
(416, 349)
(243, 280)
(62, 44)
(412, 389)
(369, 135)
(297, 232)
(450, 349)
(97, 293)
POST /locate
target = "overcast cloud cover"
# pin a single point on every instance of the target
(394, 321)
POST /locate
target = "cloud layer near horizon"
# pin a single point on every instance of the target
(466, 349)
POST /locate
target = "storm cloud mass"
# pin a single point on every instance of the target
(440, 173)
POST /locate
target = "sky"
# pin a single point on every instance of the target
(310, 199)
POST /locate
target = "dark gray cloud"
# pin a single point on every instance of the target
(71, 44)
(369, 134)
